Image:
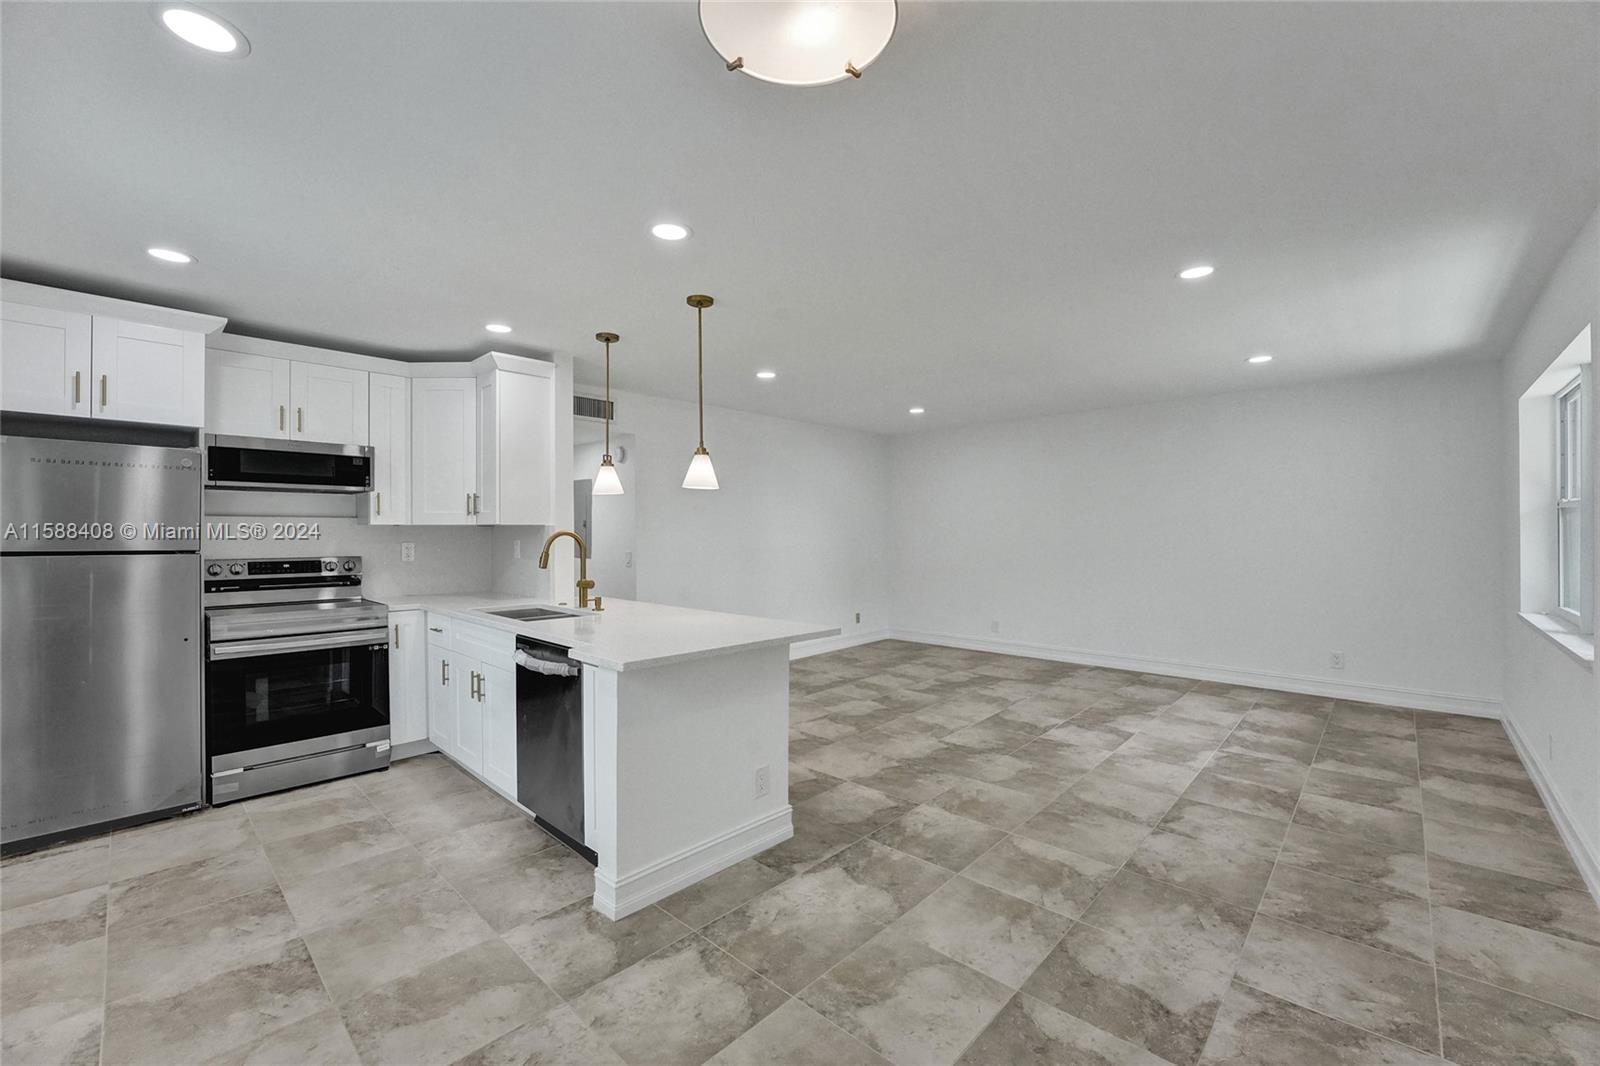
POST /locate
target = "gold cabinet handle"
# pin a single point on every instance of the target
(77, 387)
(299, 419)
(102, 392)
(469, 503)
(397, 636)
(282, 415)
(436, 629)
(380, 502)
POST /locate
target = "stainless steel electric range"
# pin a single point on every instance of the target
(297, 674)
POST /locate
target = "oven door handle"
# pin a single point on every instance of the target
(247, 649)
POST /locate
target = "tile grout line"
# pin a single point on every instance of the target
(1427, 882)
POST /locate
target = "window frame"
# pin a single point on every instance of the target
(1571, 473)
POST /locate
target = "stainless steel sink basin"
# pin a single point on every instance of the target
(530, 614)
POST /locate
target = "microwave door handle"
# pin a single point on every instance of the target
(250, 649)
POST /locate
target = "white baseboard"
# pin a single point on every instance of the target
(808, 648)
(662, 878)
(1416, 699)
(1583, 856)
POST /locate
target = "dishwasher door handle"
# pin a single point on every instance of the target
(545, 666)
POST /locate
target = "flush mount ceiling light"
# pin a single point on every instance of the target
(497, 327)
(766, 375)
(606, 481)
(798, 42)
(701, 475)
(669, 231)
(202, 29)
(917, 411)
(1196, 272)
(169, 255)
(1259, 357)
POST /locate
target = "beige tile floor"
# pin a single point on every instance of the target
(996, 860)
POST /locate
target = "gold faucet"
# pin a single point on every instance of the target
(584, 584)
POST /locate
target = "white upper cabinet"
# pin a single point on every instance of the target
(444, 451)
(44, 360)
(389, 429)
(330, 403)
(148, 373)
(247, 395)
(516, 450)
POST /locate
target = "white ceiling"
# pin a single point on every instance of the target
(986, 224)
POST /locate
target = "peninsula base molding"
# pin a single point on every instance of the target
(637, 890)
(1415, 699)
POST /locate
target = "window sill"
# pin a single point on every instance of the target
(1576, 645)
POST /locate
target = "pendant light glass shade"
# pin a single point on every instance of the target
(701, 475)
(798, 42)
(606, 481)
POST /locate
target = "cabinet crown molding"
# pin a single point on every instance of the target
(23, 292)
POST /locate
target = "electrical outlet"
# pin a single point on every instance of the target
(858, 618)
(763, 780)
(627, 560)
(408, 551)
(516, 549)
(994, 626)
(1336, 660)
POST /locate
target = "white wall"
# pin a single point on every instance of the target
(1552, 700)
(1247, 534)
(798, 529)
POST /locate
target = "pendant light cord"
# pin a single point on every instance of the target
(700, 365)
(608, 399)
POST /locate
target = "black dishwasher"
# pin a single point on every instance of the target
(550, 760)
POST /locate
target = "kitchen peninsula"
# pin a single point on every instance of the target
(684, 728)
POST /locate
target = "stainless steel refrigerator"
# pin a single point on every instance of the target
(101, 716)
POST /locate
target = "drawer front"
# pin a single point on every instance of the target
(439, 629)
(494, 646)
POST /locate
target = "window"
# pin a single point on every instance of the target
(1569, 500)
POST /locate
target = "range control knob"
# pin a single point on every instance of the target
(214, 570)
(329, 565)
(349, 565)
(236, 569)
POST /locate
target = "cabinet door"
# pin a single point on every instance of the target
(469, 717)
(523, 440)
(444, 450)
(444, 680)
(498, 691)
(330, 403)
(44, 361)
(247, 395)
(408, 678)
(389, 428)
(487, 505)
(148, 373)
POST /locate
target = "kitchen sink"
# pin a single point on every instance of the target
(530, 614)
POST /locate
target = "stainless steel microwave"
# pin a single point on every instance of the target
(287, 465)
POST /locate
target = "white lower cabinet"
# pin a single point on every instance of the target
(442, 688)
(498, 690)
(408, 678)
(472, 698)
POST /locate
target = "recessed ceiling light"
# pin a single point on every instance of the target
(497, 327)
(917, 411)
(203, 30)
(1196, 272)
(766, 375)
(670, 231)
(1259, 357)
(169, 255)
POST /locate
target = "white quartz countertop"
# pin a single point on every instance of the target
(628, 634)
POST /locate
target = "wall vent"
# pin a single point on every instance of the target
(591, 407)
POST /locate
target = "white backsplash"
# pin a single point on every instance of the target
(521, 576)
(449, 558)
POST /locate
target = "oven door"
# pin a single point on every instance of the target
(289, 697)
(289, 466)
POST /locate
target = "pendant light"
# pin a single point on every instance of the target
(798, 42)
(606, 482)
(701, 475)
